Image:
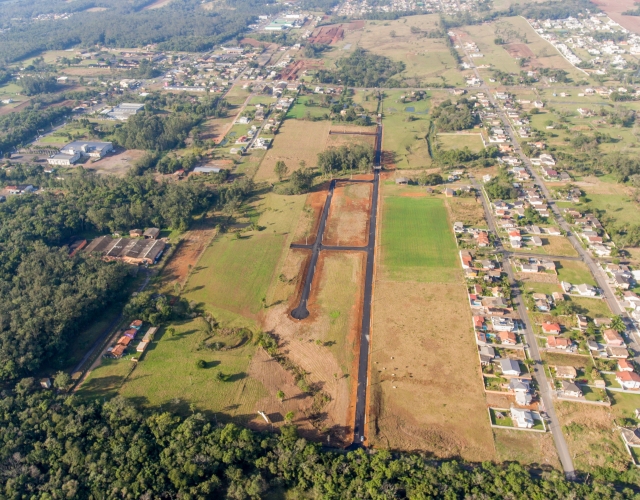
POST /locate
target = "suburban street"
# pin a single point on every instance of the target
(538, 369)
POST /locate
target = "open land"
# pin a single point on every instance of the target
(348, 222)
(422, 348)
(297, 140)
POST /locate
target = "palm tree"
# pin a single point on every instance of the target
(618, 324)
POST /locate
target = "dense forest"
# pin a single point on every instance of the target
(357, 157)
(179, 25)
(22, 126)
(363, 69)
(46, 295)
(60, 447)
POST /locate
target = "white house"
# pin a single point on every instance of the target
(522, 418)
(628, 380)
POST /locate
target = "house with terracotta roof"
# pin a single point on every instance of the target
(551, 328)
(611, 337)
(628, 380)
(508, 338)
(558, 342)
(624, 365)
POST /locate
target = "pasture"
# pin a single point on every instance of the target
(417, 241)
(574, 272)
(460, 141)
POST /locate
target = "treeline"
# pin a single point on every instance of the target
(450, 116)
(182, 25)
(41, 84)
(346, 159)
(363, 69)
(21, 127)
(61, 447)
(48, 296)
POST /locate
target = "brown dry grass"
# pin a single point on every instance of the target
(191, 246)
(559, 245)
(591, 435)
(422, 345)
(297, 140)
(526, 448)
(348, 221)
(305, 232)
(325, 344)
(469, 211)
(337, 140)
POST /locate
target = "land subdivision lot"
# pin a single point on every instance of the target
(460, 141)
(348, 221)
(417, 241)
(296, 140)
(117, 163)
(423, 353)
(526, 448)
(575, 272)
(469, 211)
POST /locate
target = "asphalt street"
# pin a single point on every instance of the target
(538, 370)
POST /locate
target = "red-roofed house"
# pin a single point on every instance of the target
(628, 380)
(558, 342)
(478, 322)
(625, 365)
(611, 337)
(551, 328)
(508, 338)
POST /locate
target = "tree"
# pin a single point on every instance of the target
(62, 380)
(281, 170)
(288, 418)
(617, 324)
(201, 363)
(280, 396)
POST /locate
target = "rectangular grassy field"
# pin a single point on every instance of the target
(417, 242)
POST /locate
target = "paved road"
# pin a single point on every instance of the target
(538, 371)
(301, 312)
(532, 346)
(107, 332)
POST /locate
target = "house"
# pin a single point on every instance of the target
(135, 233)
(602, 322)
(466, 259)
(483, 239)
(478, 322)
(142, 346)
(501, 324)
(536, 240)
(510, 367)
(586, 290)
(566, 372)
(21, 189)
(124, 340)
(148, 337)
(617, 352)
(152, 233)
(515, 235)
(551, 328)
(522, 418)
(582, 322)
(570, 389)
(625, 365)
(449, 193)
(458, 227)
(621, 281)
(117, 351)
(611, 337)
(557, 296)
(628, 380)
(558, 342)
(402, 180)
(45, 383)
(520, 385)
(631, 300)
(477, 289)
(487, 350)
(508, 338)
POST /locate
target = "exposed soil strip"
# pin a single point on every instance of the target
(301, 312)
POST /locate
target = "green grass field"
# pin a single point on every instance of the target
(417, 242)
(460, 141)
(574, 272)
(300, 109)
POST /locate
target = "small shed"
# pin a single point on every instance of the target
(402, 180)
(152, 233)
(135, 233)
(45, 383)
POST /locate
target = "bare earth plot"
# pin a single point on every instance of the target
(426, 389)
(348, 221)
(296, 140)
(116, 164)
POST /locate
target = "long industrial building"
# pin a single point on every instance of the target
(132, 251)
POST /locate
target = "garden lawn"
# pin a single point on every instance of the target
(417, 242)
